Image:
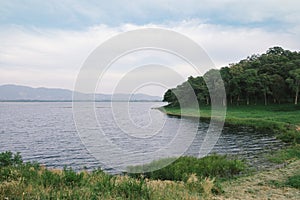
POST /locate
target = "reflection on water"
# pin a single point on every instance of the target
(46, 132)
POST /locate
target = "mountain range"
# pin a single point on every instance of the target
(24, 93)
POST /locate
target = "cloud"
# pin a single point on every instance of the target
(75, 14)
(228, 44)
(53, 57)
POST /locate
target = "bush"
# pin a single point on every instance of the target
(71, 178)
(210, 166)
(7, 158)
(50, 179)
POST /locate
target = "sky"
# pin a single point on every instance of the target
(45, 43)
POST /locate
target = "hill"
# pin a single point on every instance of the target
(24, 93)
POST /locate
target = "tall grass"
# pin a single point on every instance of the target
(20, 180)
(186, 178)
(211, 166)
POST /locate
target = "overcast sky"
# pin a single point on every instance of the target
(44, 43)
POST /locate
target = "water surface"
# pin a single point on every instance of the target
(46, 133)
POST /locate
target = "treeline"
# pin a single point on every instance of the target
(273, 77)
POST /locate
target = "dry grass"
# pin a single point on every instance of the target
(258, 186)
(171, 190)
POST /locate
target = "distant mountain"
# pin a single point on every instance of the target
(25, 93)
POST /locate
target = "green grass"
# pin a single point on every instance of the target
(217, 166)
(186, 178)
(20, 180)
(294, 181)
(280, 119)
(284, 155)
(286, 113)
(186, 168)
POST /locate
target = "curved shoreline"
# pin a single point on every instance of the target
(287, 132)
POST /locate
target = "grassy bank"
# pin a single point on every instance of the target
(19, 180)
(277, 184)
(284, 119)
(212, 177)
(281, 182)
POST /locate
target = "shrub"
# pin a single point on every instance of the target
(50, 179)
(210, 166)
(71, 178)
(7, 158)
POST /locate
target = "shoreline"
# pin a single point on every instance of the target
(55, 183)
(51, 183)
(285, 131)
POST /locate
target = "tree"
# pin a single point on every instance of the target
(278, 88)
(226, 76)
(236, 72)
(215, 86)
(294, 82)
(265, 86)
(274, 74)
(169, 96)
(275, 51)
(200, 89)
(250, 82)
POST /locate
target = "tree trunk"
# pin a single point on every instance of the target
(265, 95)
(247, 100)
(224, 101)
(231, 101)
(296, 97)
(237, 101)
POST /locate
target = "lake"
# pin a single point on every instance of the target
(123, 134)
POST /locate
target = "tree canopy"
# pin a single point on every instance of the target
(273, 77)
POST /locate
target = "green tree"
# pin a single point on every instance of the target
(170, 97)
(226, 76)
(215, 86)
(236, 72)
(294, 82)
(250, 81)
(278, 88)
(265, 86)
(274, 74)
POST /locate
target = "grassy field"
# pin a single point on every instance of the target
(288, 114)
